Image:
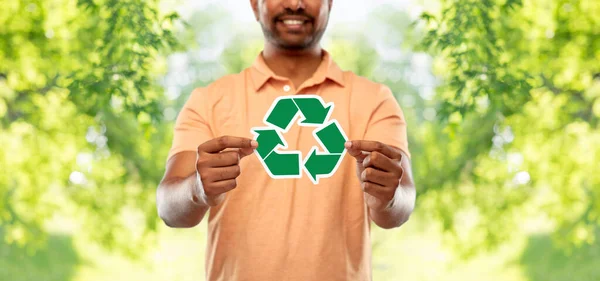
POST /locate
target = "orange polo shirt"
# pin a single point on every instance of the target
(290, 229)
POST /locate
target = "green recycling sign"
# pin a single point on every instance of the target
(320, 162)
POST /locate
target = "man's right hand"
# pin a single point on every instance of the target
(217, 165)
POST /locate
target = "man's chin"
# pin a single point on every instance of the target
(294, 46)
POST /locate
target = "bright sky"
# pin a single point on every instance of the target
(349, 14)
(343, 10)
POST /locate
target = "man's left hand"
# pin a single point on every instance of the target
(379, 170)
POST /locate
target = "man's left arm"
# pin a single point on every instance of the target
(386, 178)
(383, 162)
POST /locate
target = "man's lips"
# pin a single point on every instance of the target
(293, 22)
(302, 18)
(293, 19)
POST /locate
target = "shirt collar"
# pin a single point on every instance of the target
(328, 69)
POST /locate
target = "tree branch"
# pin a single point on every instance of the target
(13, 113)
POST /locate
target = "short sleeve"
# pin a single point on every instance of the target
(386, 123)
(192, 126)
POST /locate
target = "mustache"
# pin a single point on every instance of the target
(290, 12)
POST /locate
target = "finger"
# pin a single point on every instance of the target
(379, 161)
(221, 173)
(377, 191)
(221, 187)
(224, 159)
(221, 143)
(379, 177)
(371, 146)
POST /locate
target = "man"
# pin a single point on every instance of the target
(260, 228)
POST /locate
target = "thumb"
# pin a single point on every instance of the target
(243, 152)
(356, 153)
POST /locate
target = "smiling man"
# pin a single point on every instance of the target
(260, 228)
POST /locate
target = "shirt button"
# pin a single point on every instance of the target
(287, 88)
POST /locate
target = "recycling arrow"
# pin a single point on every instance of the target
(321, 165)
(314, 110)
(331, 137)
(269, 139)
(282, 114)
(285, 109)
(288, 164)
(283, 164)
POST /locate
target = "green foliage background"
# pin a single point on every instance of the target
(502, 100)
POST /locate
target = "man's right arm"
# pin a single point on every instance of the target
(201, 167)
(180, 197)
(194, 182)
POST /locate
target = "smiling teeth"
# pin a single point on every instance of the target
(292, 22)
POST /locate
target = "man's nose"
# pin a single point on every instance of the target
(294, 4)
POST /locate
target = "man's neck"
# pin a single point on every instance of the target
(298, 66)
